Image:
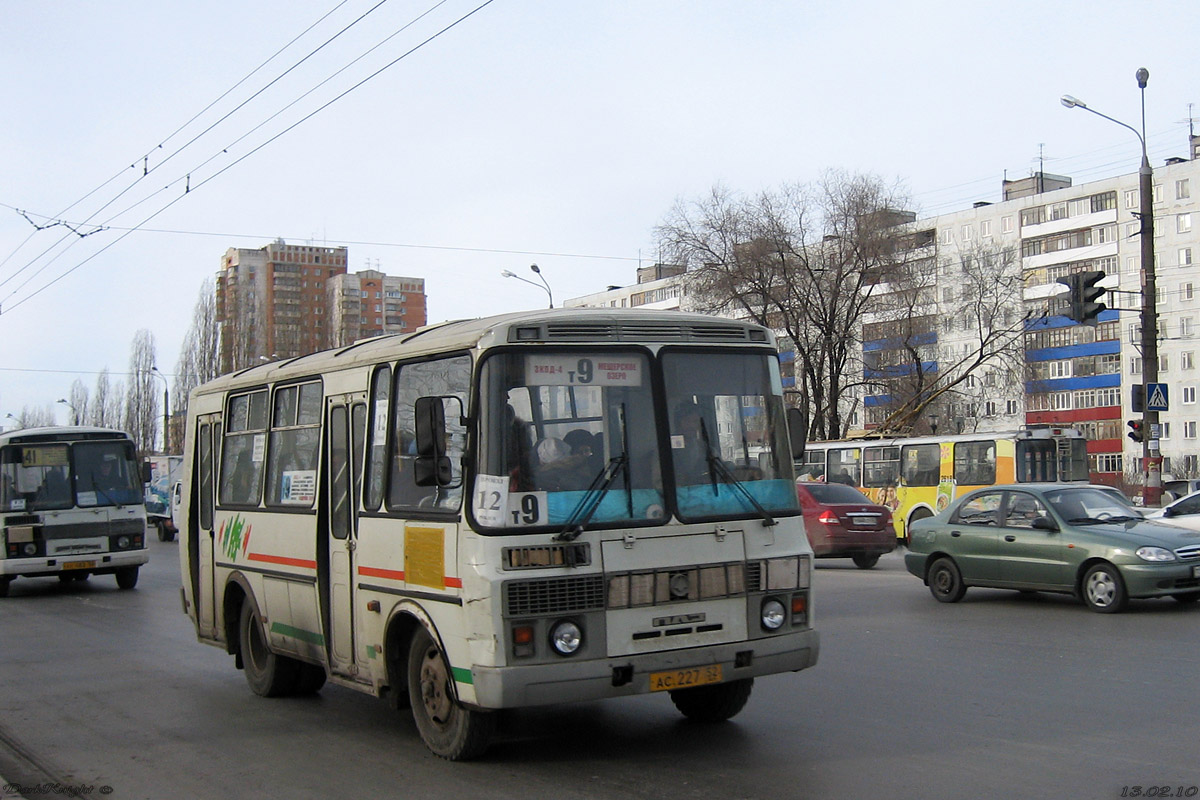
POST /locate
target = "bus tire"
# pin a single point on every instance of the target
(269, 674)
(448, 729)
(715, 703)
(309, 679)
(127, 577)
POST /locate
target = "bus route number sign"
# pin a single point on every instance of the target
(573, 370)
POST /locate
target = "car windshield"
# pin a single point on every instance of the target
(1087, 505)
(834, 493)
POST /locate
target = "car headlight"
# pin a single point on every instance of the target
(1154, 554)
(566, 637)
(773, 614)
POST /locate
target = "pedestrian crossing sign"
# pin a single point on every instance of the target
(1156, 397)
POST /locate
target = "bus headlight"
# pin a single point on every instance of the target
(566, 637)
(122, 542)
(30, 549)
(773, 614)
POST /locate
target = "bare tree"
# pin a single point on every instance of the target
(36, 417)
(804, 261)
(200, 356)
(948, 355)
(78, 398)
(106, 409)
(141, 401)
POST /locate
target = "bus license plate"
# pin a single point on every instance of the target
(79, 565)
(685, 678)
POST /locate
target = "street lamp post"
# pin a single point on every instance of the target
(543, 285)
(166, 410)
(74, 412)
(1151, 455)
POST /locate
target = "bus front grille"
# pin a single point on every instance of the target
(553, 595)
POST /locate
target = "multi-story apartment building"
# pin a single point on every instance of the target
(271, 302)
(369, 303)
(1080, 375)
(659, 286)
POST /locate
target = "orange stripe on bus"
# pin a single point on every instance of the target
(453, 582)
(376, 572)
(284, 560)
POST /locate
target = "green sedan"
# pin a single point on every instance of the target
(1085, 540)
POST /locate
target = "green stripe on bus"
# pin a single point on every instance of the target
(298, 633)
(462, 675)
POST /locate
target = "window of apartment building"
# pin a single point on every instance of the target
(1006, 224)
(1186, 291)
(1187, 360)
(1189, 429)
(1131, 264)
(1135, 333)
(990, 408)
(1085, 398)
(985, 228)
(1108, 462)
(1188, 395)
(1183, 223)
(1163, 363)
(1011, 407)
(1104, 234)
(1135, 365)
(1182, 189)
(947, 236)
(1131, 198)
(1185, 256)
(948, 294)
(1164, 430)
(966, 233)
(1131, 229)
(1108, 397)
(1158, 193)
(1187, 327)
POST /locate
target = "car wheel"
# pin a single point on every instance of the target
(448, 729)
(1104, 589)
(127, 577)
(268, 674)
(945, 581)
(715, 703)
(162, 531)
(865, 560)
(1187, 599)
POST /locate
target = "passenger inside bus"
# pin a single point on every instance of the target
(562, 468)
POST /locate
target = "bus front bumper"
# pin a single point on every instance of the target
(596, 679)
(92, 563)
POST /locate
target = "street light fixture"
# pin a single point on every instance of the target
(543, 285)
(1151, 456)
(74, 411)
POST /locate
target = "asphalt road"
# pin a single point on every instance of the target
(1000, 696)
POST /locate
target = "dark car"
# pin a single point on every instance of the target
(842, 522)
(1084, 540)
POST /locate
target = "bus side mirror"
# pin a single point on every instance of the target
(431, 466)
(147, 472)
(795, 423)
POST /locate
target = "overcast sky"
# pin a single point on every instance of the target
(558, 132)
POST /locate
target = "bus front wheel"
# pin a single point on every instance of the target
(448, 729)
(127, 577)
(715, 703)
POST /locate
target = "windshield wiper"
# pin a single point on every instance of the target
(97, 488)
(582, 514)
(716, 467)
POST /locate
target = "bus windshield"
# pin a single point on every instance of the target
(56, 475)
(556, 428)
(729, 447)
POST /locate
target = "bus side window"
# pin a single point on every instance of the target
(443, 377)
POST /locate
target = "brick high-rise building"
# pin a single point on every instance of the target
(370, 303)
(271, 302)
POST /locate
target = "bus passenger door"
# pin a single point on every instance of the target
(342, 538)
(202, 543)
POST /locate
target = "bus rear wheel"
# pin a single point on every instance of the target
(268, 674)
(713, 703)
(447, 728)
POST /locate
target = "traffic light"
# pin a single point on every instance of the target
(1083, 296)
(1135, 430)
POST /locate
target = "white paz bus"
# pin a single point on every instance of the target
(71, 505)
(515, 511)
